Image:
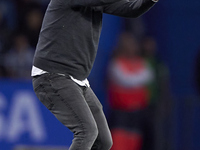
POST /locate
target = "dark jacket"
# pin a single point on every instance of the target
(71, 29)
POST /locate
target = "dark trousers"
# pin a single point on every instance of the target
(76, 107)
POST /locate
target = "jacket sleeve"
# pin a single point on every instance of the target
(90, 3)
(130, 9)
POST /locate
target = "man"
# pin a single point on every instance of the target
(64, 57)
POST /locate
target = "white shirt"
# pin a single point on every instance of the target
(37, 71)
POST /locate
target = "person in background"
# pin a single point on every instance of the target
(160, 95)
(149, 48)
(18, 60)
(3, 39)
(22, 17)
(129, 76)
(23, 8)
(9, 13)
(7, 26)
(33, 25)
(30, 15)
(160, 87)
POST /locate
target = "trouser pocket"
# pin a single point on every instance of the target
(41, 91)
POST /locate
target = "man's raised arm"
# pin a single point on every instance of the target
(126, 8)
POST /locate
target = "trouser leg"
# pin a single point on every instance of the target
(66, 101)
(104, 139)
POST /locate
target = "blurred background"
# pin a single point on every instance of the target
(146, 74)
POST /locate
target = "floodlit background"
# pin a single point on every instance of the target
(146, 75)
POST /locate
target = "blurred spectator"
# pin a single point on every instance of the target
(33, 25)
(30, 19)
(160, 95)
(30, 14)
(149, 48)
(8, 13)
(4, 32)
(160, 87)
(23, 7)
(129, 97)
(18, 60)
(5, 36)
(23, 17)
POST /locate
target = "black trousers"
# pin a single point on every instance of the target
(76, 107)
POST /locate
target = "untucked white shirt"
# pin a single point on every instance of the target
(37, 71)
